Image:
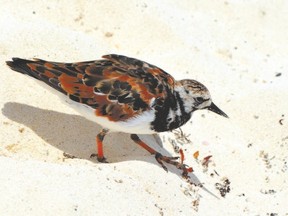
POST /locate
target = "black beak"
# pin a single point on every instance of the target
(215, 109)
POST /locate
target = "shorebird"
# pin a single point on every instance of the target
(123, 94)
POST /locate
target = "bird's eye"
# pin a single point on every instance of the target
(199, 99)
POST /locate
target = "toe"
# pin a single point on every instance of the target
(100, 159)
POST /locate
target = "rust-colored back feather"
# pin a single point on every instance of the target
(117, 87)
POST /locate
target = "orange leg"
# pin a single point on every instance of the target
(160, 158)
(99, 145)
(137, 140)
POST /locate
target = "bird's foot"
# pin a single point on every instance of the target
(172, 160)
(100, 159)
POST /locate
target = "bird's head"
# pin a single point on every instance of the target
(196, 96)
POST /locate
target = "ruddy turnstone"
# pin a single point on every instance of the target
(123, 94)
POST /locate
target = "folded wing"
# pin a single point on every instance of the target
(117, 87)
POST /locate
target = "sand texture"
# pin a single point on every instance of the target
(238, 49)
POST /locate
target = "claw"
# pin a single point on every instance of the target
(171, 160)
(158, 158)
(186, 171)
(100, 159)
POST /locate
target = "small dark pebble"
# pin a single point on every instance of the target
(278, 74)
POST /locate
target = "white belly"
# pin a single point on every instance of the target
(139, 124)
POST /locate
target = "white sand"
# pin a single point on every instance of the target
(236, 48)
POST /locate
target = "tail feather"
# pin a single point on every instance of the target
(36, 69)
(20, 65)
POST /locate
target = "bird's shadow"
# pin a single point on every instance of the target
(75, 136)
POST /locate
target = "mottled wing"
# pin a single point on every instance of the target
(117, 87)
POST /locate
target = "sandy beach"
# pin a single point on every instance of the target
(238, 49)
